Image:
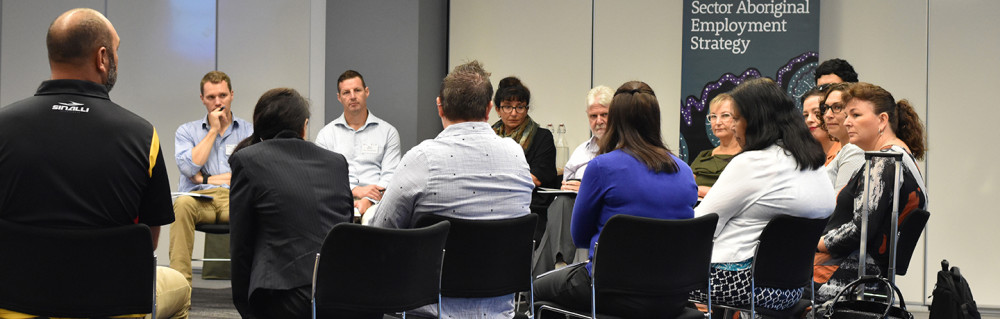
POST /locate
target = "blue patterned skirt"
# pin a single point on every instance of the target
(731, 286)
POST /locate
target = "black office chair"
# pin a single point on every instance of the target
(220, 229)
(648, 257)
(909, 233)
(486, 258)
(79, 273)
(363, 271)
(783, 259)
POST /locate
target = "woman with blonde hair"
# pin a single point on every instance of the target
(708, 165)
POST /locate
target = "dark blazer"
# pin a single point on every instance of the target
(541, 157)
(286, 195)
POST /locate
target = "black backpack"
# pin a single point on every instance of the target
(952, 296)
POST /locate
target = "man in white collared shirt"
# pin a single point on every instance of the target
(370, 144)
(467, 171)
(598, 100)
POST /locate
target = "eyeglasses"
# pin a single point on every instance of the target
(725, 117)
(835, 108)
(519, 109)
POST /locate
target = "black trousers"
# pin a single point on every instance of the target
(291, 303)
(570, 287)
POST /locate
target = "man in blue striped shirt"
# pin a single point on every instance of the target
(202, 148)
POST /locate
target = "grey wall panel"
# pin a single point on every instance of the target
(385, 40)
(166, 47)
(23, 56)
(317, 66)
(263, 45)
(432, 66)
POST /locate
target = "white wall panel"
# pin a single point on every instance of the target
(544, 43)
(644, 45)
(887, 45)
(963, 176)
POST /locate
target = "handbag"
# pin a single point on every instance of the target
(850, 308)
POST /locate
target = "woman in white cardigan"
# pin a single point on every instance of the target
(780, 171)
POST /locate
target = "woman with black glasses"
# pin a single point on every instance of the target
(511, 101)
(813, 115)
(850, 157)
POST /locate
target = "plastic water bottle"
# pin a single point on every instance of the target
(562, 150)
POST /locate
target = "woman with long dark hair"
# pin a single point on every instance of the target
(287, 193)
(634, 173)
(779, 172)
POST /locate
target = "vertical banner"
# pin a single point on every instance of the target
(729, 41)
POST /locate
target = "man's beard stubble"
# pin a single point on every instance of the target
(112, 72)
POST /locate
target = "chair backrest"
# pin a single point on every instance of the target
(76, 272)
(486, 258)
(785, 252)
(909, 232)
(653, 257)
(363, 269)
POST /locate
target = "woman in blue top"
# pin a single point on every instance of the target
(633, 174)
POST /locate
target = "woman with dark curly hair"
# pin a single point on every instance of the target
(875, 122)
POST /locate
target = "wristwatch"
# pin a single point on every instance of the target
(204, 178)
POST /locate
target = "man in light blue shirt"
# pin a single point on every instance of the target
(370, 144)
(467, 171)
(202, 148)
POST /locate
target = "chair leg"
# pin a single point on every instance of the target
(153, 312)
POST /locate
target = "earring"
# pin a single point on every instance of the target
(880, 132)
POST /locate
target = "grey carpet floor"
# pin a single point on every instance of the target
(211, 298)
(212, 303)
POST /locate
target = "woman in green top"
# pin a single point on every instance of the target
(710, 163)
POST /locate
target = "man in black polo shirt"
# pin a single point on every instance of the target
(71, 158)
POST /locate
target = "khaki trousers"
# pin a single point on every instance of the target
(173, 294)
(188, 212)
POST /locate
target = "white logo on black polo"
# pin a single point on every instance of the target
(70, 107)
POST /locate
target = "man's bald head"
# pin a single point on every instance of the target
(76, 34)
